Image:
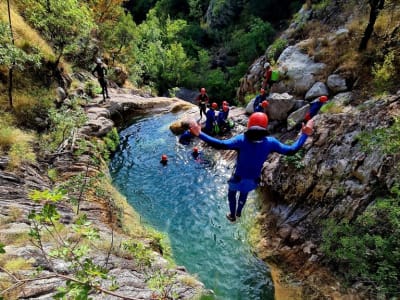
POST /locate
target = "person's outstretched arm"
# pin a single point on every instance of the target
(281, 148)
(229, 144)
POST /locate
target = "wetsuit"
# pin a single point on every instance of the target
(101, 76)
(251, 156)
(202, 100)
(257, 103)
(186, 138)
(210, 121)
(315, 106)
(222, 119)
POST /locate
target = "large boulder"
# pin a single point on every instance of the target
(297, 117)
(187, 95)
(318, 89)
(299, 69)
(336, 83)
(250, 107)
(279, 106)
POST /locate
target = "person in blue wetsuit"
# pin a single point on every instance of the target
(222, 119)
(211, 120)
(257, 105)
(253, 148)
(315, 106)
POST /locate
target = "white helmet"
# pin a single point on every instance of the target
(266, 65)
(98, 60)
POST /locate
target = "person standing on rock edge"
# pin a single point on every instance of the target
(253, 147)
(100, 73)
(267, 83)
(202, 99)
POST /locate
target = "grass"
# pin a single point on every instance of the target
(15, 264)
(16, 143)
(25, 34)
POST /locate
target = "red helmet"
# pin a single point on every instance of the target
(202, 90)
(214, 105)
(164, 157)
(225, 103)
(264, 103)
(195, 150)
(258, 119)
(323, 99)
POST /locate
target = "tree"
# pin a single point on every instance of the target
(376, 6)
(119, 37)
(63, 25)
(10, 70)
(13, 57)
(106, 10)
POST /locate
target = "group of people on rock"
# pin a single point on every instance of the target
(215, 123)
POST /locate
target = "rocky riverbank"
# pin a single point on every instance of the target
(129, 277)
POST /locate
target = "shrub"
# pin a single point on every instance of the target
(367, 249)
(17, 144)
(276, 49)
(295, 159)
(385, 74)
(20, 152)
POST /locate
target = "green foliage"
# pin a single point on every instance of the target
(118, 38)
(295, 160)
(75, 254)
(112, 140)
(385, 74)
(92, 88)
(47, 195)
(332, 108)
(61, 22)
(63, 122)
(321, 5)
(276, 49)
(2, 251)
(16, 142)
(12, 56)
(197, 8)
(52, 174)
(367, 249)
(385, 139)
(140, 253)
(252, 43)
(162, 283)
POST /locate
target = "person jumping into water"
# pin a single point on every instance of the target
(253, 148)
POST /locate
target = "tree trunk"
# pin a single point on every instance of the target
(376, 5)
(10, 70)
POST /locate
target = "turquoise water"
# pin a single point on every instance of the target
(187, 200)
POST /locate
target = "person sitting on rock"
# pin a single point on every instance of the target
(253, 147)
(257, 106)
(211, 121)
(222, 119)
